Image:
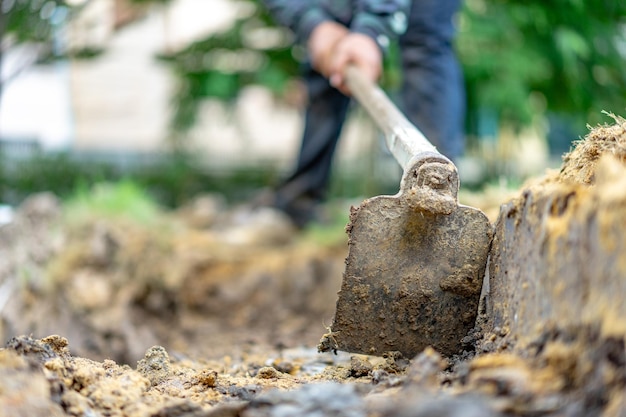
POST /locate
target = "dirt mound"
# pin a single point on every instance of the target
(41, 378)
(557, 275)
(116, 287)
(580, 165)
(215, 312)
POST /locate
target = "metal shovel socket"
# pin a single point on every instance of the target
(417, 259)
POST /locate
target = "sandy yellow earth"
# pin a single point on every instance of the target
(216, 311)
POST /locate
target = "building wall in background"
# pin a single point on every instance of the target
(119, 100)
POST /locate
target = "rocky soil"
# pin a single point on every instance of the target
(217, 311)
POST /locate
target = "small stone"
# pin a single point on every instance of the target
(207, 377)
(360, 367)
(425, 367)
(155, 365)
(268, 372)
(284, 367)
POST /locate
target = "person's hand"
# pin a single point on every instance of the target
(354, 49)
(322, 42)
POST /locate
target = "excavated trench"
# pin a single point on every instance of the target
(113, 318)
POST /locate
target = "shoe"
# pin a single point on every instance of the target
(301, 211)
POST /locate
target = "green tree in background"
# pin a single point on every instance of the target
(30, 20)
(522, 57)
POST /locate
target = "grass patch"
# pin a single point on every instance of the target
(120, 200)
(330, 230)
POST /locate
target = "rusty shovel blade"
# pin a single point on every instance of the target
(415, 267)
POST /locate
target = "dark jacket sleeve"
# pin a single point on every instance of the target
(301, 16)
(383, 20)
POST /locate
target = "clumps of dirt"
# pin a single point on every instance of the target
(66, 385)
(360, 367)
(580, 164)
(552, 379)
(116, 287)
(155, 365)
(554, 315)
(43, 378)
(574, 371)
(25, 390)
(179, 320)
(562, 239)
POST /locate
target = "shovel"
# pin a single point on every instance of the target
(416, 259)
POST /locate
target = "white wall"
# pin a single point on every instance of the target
(36, 105)
(120, 100)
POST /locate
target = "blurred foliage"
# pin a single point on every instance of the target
(253, 51)
(171, 180)
(47, 172)
(524, 57)
(224, 63)
(31, 20)
(520, 58)
(151, 1)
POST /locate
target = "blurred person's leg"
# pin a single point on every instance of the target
(307, 186)
(433, 93)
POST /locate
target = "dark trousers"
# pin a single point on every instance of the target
(432, 97)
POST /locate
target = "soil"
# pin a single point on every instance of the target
(215, 311)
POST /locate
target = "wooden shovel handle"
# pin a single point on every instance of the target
(403, 139)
